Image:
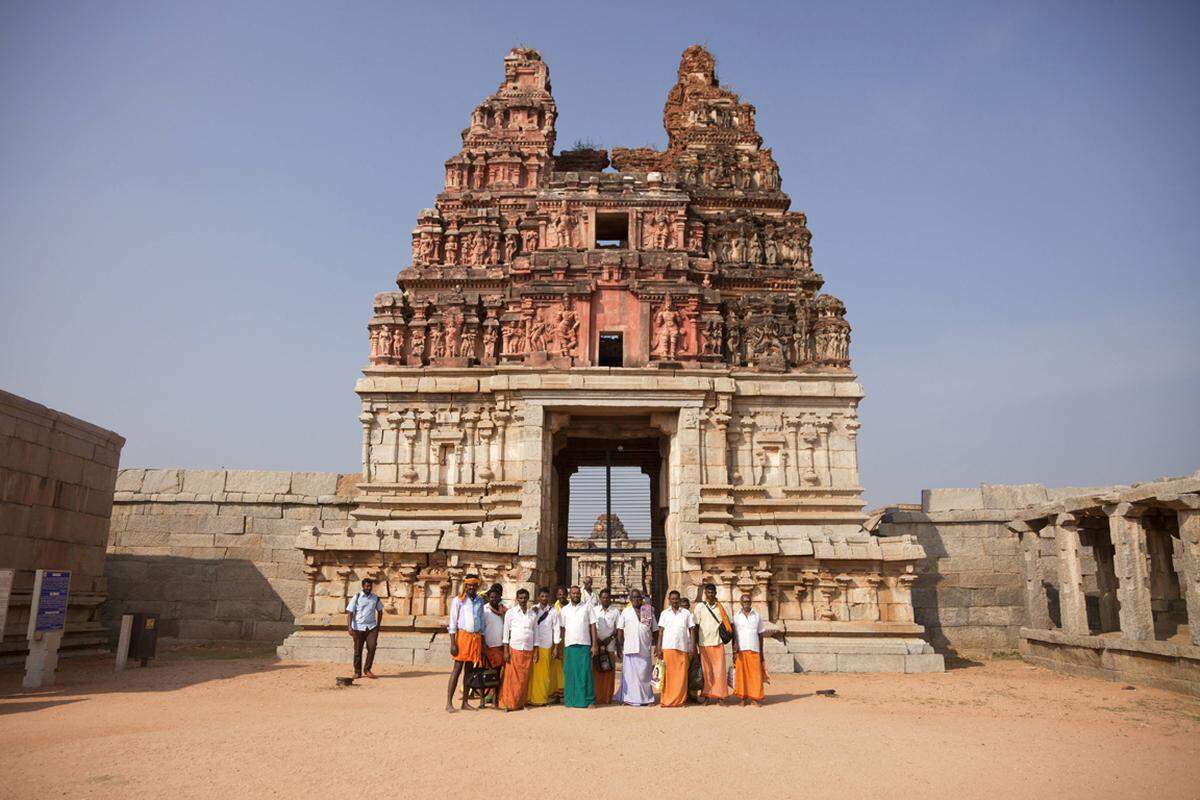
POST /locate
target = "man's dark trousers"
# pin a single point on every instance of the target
(368, 638)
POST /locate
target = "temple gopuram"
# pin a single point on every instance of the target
(655, 309)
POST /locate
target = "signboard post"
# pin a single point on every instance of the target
(6, 582)
(47, 618)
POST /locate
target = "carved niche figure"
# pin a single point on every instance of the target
(479, 249)
(494, 250)
(529, 240)
(452, 249)
(491, 334)
(712, 335)
(753, 253)
(770, 250)
(657, 230)
(668, 327)
(374, 332)
(566, 328)
(800, 341)
(510, 248)
(385, 341)
(417, 344)
(563, 223)
(451, 330)
(539, 329)
(737, 247)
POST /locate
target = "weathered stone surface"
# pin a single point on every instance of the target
(254, 482)
(204, 481)
(57, 479)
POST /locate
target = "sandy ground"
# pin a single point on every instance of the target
(252, 727)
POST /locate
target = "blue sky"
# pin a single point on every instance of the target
(198, 200)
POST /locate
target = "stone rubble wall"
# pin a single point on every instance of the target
(213, 552)
(970, 594)
(56, 492)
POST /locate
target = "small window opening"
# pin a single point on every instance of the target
(611, 351)
(612, 229)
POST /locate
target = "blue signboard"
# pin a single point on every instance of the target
(52, 601)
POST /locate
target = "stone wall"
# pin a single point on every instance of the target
(969, 594)
(213, 552)
(56, 491)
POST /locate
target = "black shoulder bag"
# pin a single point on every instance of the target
(722, 629)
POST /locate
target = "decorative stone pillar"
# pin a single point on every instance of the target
(501, 417)
(1133, 576)
(715, 439)
(1037, 609)
(852, 425)
(1106, 583)
(470, 420)
(368, 421)
(1072, 603)
(394, 420)
(1187, 510)
(425, 423)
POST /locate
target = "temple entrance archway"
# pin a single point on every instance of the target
(625, 442)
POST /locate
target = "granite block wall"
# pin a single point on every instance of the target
(57, 475)
(213, 552)
(970, 593)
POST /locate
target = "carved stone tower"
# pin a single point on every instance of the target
(665, 312)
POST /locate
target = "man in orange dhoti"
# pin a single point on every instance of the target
(675, 631)
(493, 640)
(749, 668)
(606, 637)
(466, 636)
(711, 621)
(520, 651)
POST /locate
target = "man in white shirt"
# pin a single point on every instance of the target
(578, 622)
(466, 636)
(493, 639)
(675, 626)
(547, 637)
(750, 670)
(520, 649)
(635, 639)
(606, 616)
(364, 615)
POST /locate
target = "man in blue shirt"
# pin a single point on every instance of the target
(364, 615)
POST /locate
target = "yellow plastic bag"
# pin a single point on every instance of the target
(656, 676)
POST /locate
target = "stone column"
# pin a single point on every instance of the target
(393, 420)
(1187, 510)
(852, 425)
(1106, 582)
(1037, 609)
(719, 464)
(1070, 574)
(471, 420)
(1133, 575)
(368, 420)
(501, 417)
(792, 433)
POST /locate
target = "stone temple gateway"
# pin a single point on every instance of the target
(662, 314)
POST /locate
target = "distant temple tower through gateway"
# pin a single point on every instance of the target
(664, 314)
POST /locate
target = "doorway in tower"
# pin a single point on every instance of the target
(610, 510)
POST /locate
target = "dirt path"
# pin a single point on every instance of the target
(255, 728)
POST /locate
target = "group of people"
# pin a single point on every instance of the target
(567, 651)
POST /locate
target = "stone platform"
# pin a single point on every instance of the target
(783, 654)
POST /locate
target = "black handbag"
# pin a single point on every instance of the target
(486, 678)
(604, 662)
(722, 629)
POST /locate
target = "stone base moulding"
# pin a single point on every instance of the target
(1163, 665)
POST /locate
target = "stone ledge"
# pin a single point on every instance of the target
(1157, 648)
